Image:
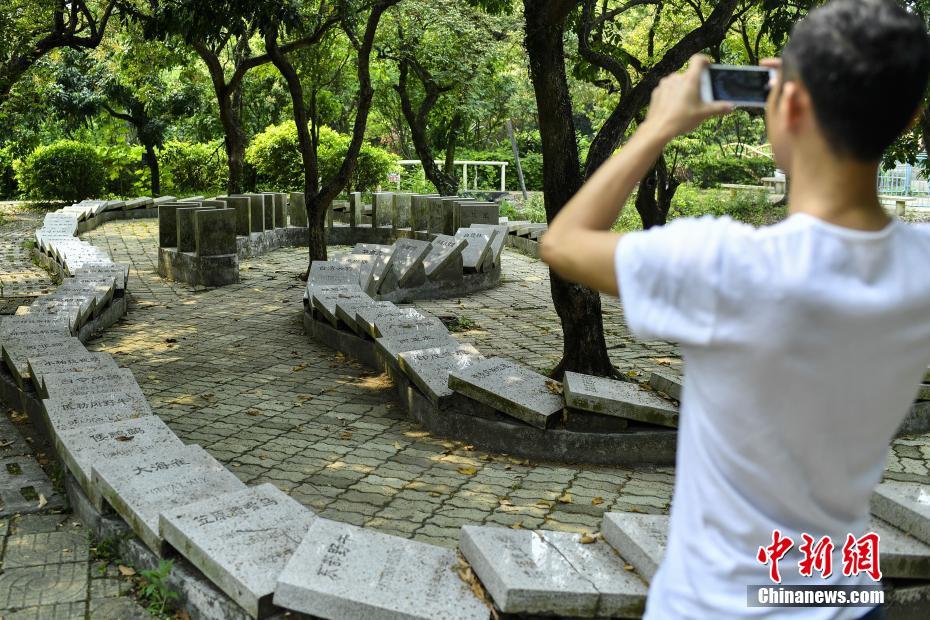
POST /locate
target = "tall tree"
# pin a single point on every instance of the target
(599, 45)
(359, 23)
(30, 29)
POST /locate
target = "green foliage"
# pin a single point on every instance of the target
(533, 211)
(66, 170)
(154, 588)
(127, 176)
(710, 171)
(9, 188)
(489, 177)
(276, 159)
(193, 168)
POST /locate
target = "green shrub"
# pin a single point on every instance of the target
(64, 170)
(489, 177)
(193, 168)
(709, 171)
(9, 188)
(126, 175)
(276, 159)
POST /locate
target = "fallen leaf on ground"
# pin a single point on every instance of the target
(123, 438)
(42, 501)
(345, 435)
(299, 367)
(517, 526)
(554, 386)
(565, 499)
(467, 471)
(628, 567)
(126, 571)
(597, 501)
(587, 539)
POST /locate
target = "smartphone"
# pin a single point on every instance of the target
(746, 86)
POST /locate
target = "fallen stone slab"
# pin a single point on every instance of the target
(331, 272)
(402, 325)
(83, 446)
(408, 269)
(364, 264)
(241, 541)
(368, 317)
(902, 555)
(498, 242)
(510, 388)
(325, 299)
(379, 282)
(905, 505)
(552, 573)
(62, 384)
(34, 327)
(446, 251)
(639, 538)
(347, 311)
(117, 271)
(393, 347)
(84, 362)
(345, 571)
(140, 487)
(429, 368)
(666, 383)
(18, 351)
(70, 314)
(100, 287)
(617, 398)
(312, 290)
(477, 254)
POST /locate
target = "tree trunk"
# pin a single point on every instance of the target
(151, 158)
(579, 308)
(234, 137)
(655, 194)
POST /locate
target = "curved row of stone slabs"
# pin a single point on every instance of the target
(257, 542)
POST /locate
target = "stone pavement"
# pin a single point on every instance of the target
(51, 571)
(231, 369)
(20, 279)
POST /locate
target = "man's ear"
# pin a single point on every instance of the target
(795, 105)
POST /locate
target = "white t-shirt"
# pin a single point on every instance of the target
(804, 344)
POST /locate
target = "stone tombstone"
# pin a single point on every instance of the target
(243, 207)
(347, 311)
(382, 214)
(332, 272)
(363, 263)
(70, 412)
(185, 221)
(215, 232)
(510, 388)
(325, 298)
(82, 446)
(374, 249)
(419, 211)
(74, 314)
(298, 210)
(392, 347)
(39, 367)
(498, 242)
(257, 209)
(905, 505)
(667, 383)
(445, 258)
(280, 209)
(396, 326)
(401, 210)
(241, 541)
(101, 288)
(639, 538)
(551, 573)
(345, 571)
(368, 317)
(902, 556)
(618, 398)
(473, 212)
(408, 270)
(119, 272)
(477, 255)
(168, 223)
(17, 351)
(60, 384)
(382, 268)
(429, 369)
(437, 207)
(140, 487)
(18, 327)
(356, 209)
(270, 221)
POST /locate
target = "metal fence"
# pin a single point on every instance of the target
(906, 180)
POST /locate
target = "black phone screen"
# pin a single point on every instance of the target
(738, 85)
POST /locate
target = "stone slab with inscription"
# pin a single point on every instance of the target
(446, 251)
(84, 362)
(408, 270)
(477, 255)
(429, 368)
(902, 555)
(618, 398)
(639, 538)
(552, 573)
(140, 487)
(510, 388)
(667, 383)
(368, 317)
(348, 572)
(94, 382)
(332, 272)
(498, 242)
(82, 446)
(325, 298)
(393, 347)
(401, 325)
(72, 412)
(18, 351)
(363, 263)
(905, 505)
(241, 541)
(18, 327)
